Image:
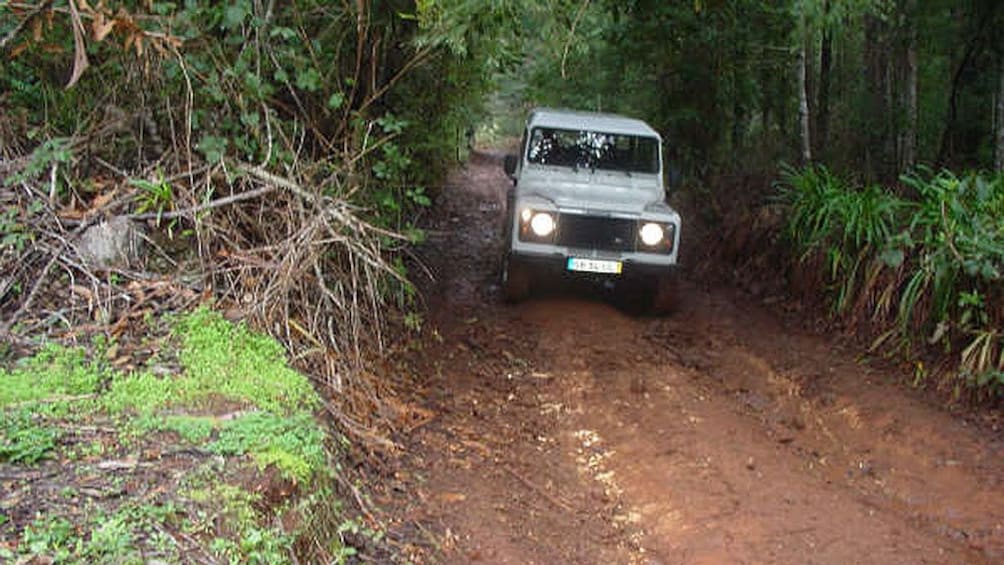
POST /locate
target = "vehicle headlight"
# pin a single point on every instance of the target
(542, 224)
(652, 234)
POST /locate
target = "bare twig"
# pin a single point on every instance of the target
(190, 212)
(7, 325)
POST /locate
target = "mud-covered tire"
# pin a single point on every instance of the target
(515, 280)
(665, 294)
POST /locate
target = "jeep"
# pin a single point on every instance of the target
(588, 200)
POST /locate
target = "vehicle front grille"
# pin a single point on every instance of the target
(594, 232)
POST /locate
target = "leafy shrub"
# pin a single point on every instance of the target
(921, 269)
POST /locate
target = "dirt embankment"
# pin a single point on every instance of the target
(564, 430)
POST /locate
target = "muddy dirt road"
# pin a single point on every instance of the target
(568, 430)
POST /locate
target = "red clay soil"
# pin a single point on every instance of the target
(568, 429)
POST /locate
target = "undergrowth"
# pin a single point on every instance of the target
(52, 373)
(918, 271)
(234, 397)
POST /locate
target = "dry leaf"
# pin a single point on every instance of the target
(36, 29)
(83, 291)
(18, 50)
(80, 63)
(101, 27)
(102, 199)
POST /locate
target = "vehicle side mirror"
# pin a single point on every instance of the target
(509, 164)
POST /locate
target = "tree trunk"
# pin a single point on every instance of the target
(823, 98)
(948, 135)
(803, 106)
(879, 143)
(999, 153)
(908, 157)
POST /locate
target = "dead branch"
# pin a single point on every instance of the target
(190, 212)
(7, 325)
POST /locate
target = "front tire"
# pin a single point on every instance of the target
(515, 279)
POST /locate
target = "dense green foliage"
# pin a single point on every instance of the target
(372, 97)
(221, 365)
(53, 372)
(927, 268)
(719, 78)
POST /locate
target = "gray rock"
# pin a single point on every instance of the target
(113, 243)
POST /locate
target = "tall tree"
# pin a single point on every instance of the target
(999, 145)
(803, 104)
(908, 144)
(880, 145)
(825, 72)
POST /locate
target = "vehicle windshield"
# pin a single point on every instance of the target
(594, 150)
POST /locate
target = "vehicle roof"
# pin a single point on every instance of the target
(592, 121)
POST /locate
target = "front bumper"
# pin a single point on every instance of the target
(555, 261)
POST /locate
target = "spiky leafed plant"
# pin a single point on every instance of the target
(845, 226)
(923, 269)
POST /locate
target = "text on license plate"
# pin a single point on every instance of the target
(594, 265)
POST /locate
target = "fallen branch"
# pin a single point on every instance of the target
(220, 202)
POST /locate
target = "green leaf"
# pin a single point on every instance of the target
(164, 8)
(893, 257)
(234, 14)
(336, 100)
(283, 32)
(309, 80)
(212, 148)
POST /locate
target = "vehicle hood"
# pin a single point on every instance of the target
(609, 190)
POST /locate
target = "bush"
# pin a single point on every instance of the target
(924, 269)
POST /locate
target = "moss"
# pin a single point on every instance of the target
(241, 365)
(219, 360)
(53, 372)
(295, 445)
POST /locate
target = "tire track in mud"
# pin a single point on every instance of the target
(567, 431)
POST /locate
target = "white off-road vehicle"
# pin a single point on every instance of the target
(588, 199)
